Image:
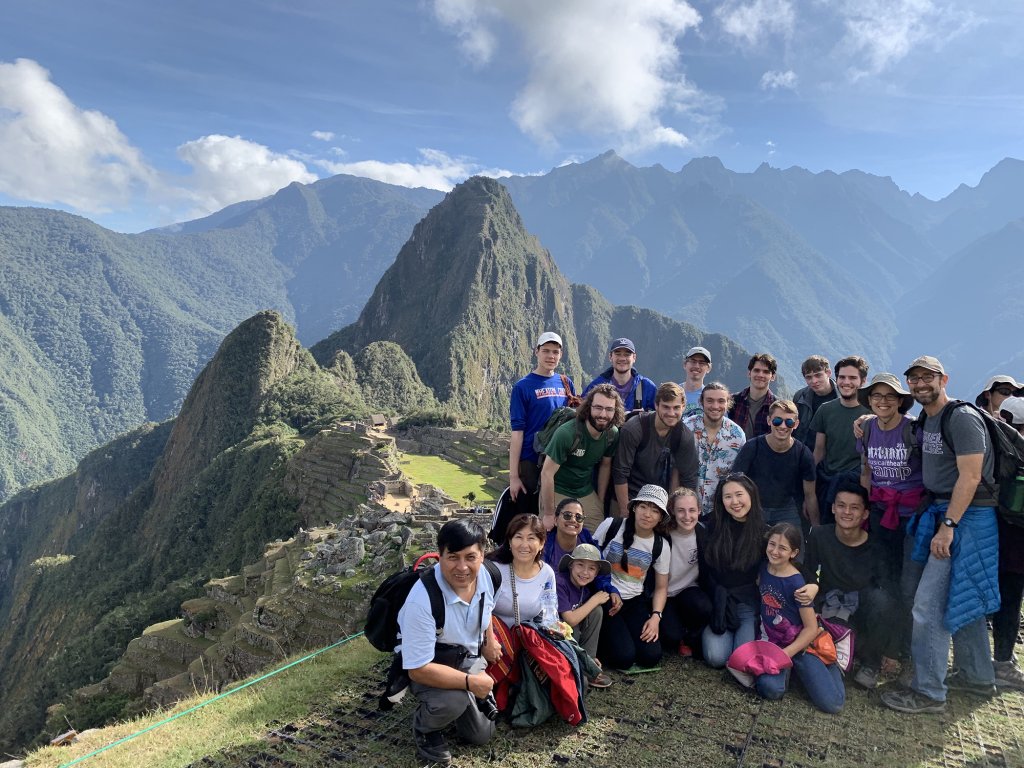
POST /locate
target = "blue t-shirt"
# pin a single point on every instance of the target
(780, 612)
(534, 399)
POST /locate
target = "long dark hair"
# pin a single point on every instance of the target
(503, 554)
(732, 545)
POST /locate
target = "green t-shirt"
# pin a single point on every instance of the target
(575, 472)
(836, 422)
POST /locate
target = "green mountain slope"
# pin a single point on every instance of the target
(151, 516)
(471, 291)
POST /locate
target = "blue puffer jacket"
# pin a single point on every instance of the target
(974, 579)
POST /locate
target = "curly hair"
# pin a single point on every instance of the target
(606, 390)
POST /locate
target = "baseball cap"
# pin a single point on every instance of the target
(622, 343)
(927, 362)
(1015, 407)
(698, 351)
(548, 336)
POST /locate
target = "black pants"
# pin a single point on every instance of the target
(901, 586)
(621, 646)
(529, 502)
(686, 615)
(874, 622)
(1006, 621)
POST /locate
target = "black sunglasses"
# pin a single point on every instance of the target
(778, 421)
(573, 516)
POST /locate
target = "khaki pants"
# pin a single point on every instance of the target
(593, 509)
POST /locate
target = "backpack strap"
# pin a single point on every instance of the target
(429, 579)
(638, 394)
(495, 574)
(612, 532)
(645, 432)
(910, 437)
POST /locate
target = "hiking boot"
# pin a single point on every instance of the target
(866, 677)
(912, 703)
(600, 681)
(685, 651)
(432, 747)
(957, 682)
(1009, 675)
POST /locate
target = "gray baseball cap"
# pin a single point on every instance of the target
(698, 351)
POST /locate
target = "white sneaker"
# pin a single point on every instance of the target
(866, 677)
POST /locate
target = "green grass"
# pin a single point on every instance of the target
(239, 721)
(325, 713)
(448, 476)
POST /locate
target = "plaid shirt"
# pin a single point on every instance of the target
(740, 412)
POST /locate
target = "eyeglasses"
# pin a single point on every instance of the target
(926, 378)
(878, 397)
(1004, 391)
(602, 408)
(778, 421)
(572, 517)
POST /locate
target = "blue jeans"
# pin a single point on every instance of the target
(786, 514)
(718, 648)
(824, 684)
(930, 642)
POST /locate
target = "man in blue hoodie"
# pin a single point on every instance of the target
(636, 391)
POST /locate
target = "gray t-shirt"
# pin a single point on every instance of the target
(967, 431)
(639, 468)
(835, 420)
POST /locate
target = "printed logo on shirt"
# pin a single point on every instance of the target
(579, 452)
(545, 392)
(889, 463)
(932, 443)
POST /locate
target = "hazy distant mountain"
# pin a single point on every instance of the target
(470, 292)
(100, 331)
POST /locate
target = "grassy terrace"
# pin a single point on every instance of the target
(324, 713)
(446, 475)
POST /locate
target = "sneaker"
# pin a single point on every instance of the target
(685, 651)
(600, 681)
(957, 682)
(866, 677)
(912, 702)
(1009, 675)
(432, 747)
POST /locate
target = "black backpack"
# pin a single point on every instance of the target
(656, 548)
(382, 618)
(1008, 452)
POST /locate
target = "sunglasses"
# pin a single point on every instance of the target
(1004, 391)
(572, 516)
(778, 421)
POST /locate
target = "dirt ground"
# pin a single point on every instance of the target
(686, 716)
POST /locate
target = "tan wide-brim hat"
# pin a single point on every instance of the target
(889, 379)
(982, 400)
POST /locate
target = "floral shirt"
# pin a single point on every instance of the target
(715, 458)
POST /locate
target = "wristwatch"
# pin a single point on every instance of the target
(949, 522)
(659, 614)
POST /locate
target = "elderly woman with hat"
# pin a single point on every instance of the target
(890, 451)
(640, 559)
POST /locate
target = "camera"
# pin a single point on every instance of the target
(488, 707)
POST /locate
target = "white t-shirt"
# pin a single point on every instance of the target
(630, 582)
(683, 572)
(528, 591)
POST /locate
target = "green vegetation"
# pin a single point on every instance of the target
(324, 711)
(448, 476)
(237, 721)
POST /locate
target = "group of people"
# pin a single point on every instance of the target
(735, 527)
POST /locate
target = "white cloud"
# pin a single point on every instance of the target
(771, 147)
(227, 169)
(773, 80)
(602, 67)
(323, 135)
(51, 151)
(883, 32)
(437, 170)
(750, 22)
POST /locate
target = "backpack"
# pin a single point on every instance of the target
(382, 618)
(1008, 452)
(911, 430)
(560, 416)
(659, 543)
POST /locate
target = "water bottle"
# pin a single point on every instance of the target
(549, 606)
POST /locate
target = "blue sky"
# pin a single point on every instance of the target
(140, 114)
